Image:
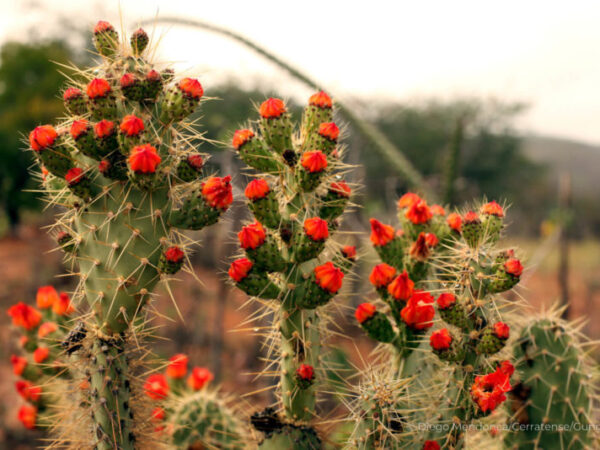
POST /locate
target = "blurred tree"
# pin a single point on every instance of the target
(29, 81)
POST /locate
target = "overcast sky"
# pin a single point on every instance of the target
(542, 52)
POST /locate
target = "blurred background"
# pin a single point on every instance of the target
(471, 100)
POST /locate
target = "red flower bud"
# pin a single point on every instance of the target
(28, 391)
(437, 210)
(40, 354)
(71, 93)
(418, 312)
(240, 137)
(305, 372)
(199, 378)
(127, 80)
(329, 130)
(191, 87)
(177, 367)
(271, 108)
(47, 328)
(419, 213)
(46, 296)
(440, 339)
(144, 159)
(402, 287)
(257, 189)
(492, 209)
(431, 445)
(329, 277)
(380, 234)
(507, 368)
(131, 125)
(431, 240)
(157, 414)
(314, 161)
(174, 254)
(501, 330)
(349, 252)
(514, 267)
(238, 270)
(103, 26)
(446, 300)
(407, 200)
(42, 137)
(217, 192)
(471, 217)
(27, 415)
(316, 228)
(78, 127)
(63, 305)
(19, 364)
(321, 100)
(340, 188)
(156, 386)
(104, 128)
(24, 316)
(364, 311)
(74, 176)
(195, 160)
(252, 236)
(419, 249)
(454, 221)
(153, 75)
(98, 87)
(382, 275)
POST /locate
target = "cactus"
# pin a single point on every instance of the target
(124, 166)
(297, 202)
(551, 405)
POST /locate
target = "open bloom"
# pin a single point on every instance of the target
(257, 189)
(24, 316)
(144, 159)
(271, 108)
(240, 137)
(320, 99)
(446, 300)
(402, 287)
(419, 250)
(78, 127)
(488, 391)
(454, 221)
(316, 228)
(341, 188)
(329, 277)
(191, 87)
(437, 210)
(419, 213)
(42, 137)
(382, 275)
(177, 367)
(252, 236)
(407, 200)
(217, 192)
(238, 270)
(156, 386)
(418, 312)
(199, 378)
(432, 240)
(47, 328)
(381, 234)
(440, 339)
(364, 311)
(45, 297)
(314, 161)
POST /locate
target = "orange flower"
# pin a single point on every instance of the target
(492, 209)
(321, 100)
(27, 415)
(191, 87)
(329, 277)
(305, 372)
(47, 328)
(340, 188)
(19, 364)
(131, 125)
(156, 386)
(252, 236)
(420, 250)
(380, 234)
(272, 108)
(471, 217)
(195, 161)
(446, 300)
(419, 213)
(514, 267)
(402, 287)
(418, 312)
(174, 254)
(240, 137)
(238, 270)
(79, 127)
(24, 316)
(488, 391)
(98, 87)
(407, 200)
(217, 192)
(454, 221)
(104, 128)
(314, 161)
(316, 228)
(437, 210)
(63, 305)
(74, 176)
(329, 130)
(381, 275)
(177, 367)
(501, 330)
(199, 378)
(440, 339)
(257, 189)
(41, 354)
(42, 137)
(71, 93)
(364, 311)
(431, 240)
(46, 296)
(144, 159)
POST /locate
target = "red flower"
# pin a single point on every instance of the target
(191, 87)
(131, 125)
(454, 221)
(174, 254)
(252, 236)
(431, 445)
(364, 311)
(306, 372)
(340, 188)
(127, 80)
(98, 87)
(46, 296)
(349, 251)
(72, 92)
(74, 175)
(47, 328)
(153, 75)
(380, 234)
(27, 415)
(24, 316)
(507, 368)
(238, 270)
(320, 99)
(446, 300)
(41, 354)
(419, 249)
(28, 391)
(407, 200)
(177, 367)
(156, 386)
(157, 414)
(78, 127)
(104, 128)
(419, 213)
(199, 378)
(316, 228)
(418, 312)
(329, 277)
(329, 130)
(382, 275)
(195, 160)
(217, 192)
(103, 26)
(492, 209)
(402, 288)
(488, 390)
(257, 189)
(471, 217)
(63, 305)
(144, 159)
(501, 330)
(437, 210)
(19, 364)
(271, 108)
(240, 137)
(42, 137)
(440, 339)
(431, 240)
(314, 161)
(514, 267)
(103, 166)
